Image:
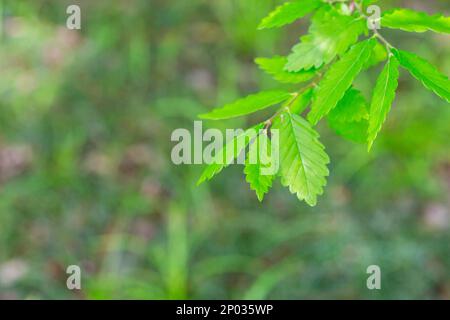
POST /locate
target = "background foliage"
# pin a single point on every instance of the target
(86, 176)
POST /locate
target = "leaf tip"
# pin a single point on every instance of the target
(311, 202)
(202, 179)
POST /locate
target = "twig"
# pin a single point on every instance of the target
(374, 30)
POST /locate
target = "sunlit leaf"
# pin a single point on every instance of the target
(383, 96)
(288, 13)
(250, 104)
(330, 34)
(275, 67)
(352, 107)
(415, 21)
(338, 79)
(303, 161)
(302, 101)
(349, 118)
(259, 180)
(228, 153)
(425, 72)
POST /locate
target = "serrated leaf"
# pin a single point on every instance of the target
(255, 176)
(379, 54)
(228, 153)
(425, 72)
(349, 118)
(288, 13)
(330, 35)
(302, 101)
(352, 107)
(338, 79)
(275, 67)
(383, 96)
(247, 105)
(303, 161)
(415, 21)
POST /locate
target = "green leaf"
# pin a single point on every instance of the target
(338, 79)
(368, 2)
(355, 131)
(255, 176)
(330, 34)
(349, 117)
(248, 105)
(352, 107)
(415, 21)
(383, 96)
(229, 152)
(425, 72)
(302, 101)
(288, 13)
(275, 67)
(303, 161)
(379, 54)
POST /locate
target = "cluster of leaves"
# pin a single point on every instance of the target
(338, 47)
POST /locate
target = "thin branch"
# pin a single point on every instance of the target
(376, 33)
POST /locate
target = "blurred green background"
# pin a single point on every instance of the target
(86, 177)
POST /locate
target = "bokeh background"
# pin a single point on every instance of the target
(86, 176)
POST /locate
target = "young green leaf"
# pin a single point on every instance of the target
(250, 104)
(355, 131)
(275, 67)
(349, 117)
(302, 101)
(303, 161)
(415, 21)
(383, 96)
(352, 107)
(255, 176)
(288, 13)
(338, 79)
(330, 34)
(229, 152)
(425, 72)
(379, 54)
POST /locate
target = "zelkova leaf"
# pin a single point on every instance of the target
(349, 118)
(352, 107)
(338, 79)
(229, 152)
(379, 54)
(302, 101)
(355, 131)
(415, 21)
(425, 72)
(275, 67)
(288, 13)
(303, 161)
(250, 104)
(330, 34)
(257, 166)
(383, 96)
